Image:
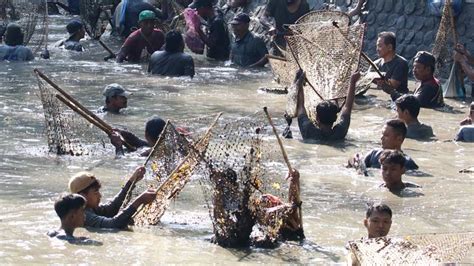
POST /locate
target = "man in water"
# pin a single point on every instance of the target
(408, 109)
(216, 37)
(247, 50)
(393, 167)
(466, 60)
(108, 215)
(393, 135)
(126, 15)
(326, 114)
(76, 32)
(284, 12)
(115, 98)
(378, 220)
(172, 61)
(470, 117)
(147, 37)
(394, 65)
(13, 49)
(70, 210)
(429, 93)
(466, 132)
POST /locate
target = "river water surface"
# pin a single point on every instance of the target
(334, 198)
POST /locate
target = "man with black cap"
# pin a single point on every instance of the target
(115, 98)
(217, 36)
(172, 61)
(13, 49)
(76, 31)
(146, 37)
(247, 50)
(284, 12)
(429, 93)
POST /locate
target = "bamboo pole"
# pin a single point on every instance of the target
(280, 143)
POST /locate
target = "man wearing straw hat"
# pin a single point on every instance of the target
(115, 98)
(147, 39)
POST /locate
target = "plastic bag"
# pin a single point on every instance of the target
(191, 37)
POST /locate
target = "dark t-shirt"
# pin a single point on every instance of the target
(309, 130)
(279, 10)
(372, 160)
(396, 69)
(133, 9)
(171, 64)
(429, 94)
(218, 35)
(73, 46)
(419, 131)
(132, 48)
(248, 50)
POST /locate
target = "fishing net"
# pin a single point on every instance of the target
(283, 70)
(67, 132)
(314, 21)
(175, 158)
(30, 15)
(95, 16)
(444, 39)
(241, 163)
(329, 57)
(427, 249)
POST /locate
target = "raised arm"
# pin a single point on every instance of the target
(350, 95)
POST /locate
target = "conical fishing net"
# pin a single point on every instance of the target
(66, 131)
(95, 16)
(241, 163)
(179, 153)
(443, 41)
(30, 15)
(329, 57)
(426, 249)
(314, 21)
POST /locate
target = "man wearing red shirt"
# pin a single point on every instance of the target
(146, 37)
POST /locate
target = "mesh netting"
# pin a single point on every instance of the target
(67, 132)
(30, 15)
(444, 40)
(283, 70)
(175, 158)
(242, 162)
(427, 249)
(320, 16)
(95, 16)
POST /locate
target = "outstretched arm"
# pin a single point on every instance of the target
(299, 79)
(350, 95)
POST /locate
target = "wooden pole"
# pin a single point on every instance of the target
(283, 152)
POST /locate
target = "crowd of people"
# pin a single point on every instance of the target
(82, 207)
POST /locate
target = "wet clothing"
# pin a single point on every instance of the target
(429, 94)
(15, 53)
(218, 37)
(278, 9)
(371, 160)
(465, 133)
(107, 216)
(135, 43)
(72, 45)
(309, 130)
(126, 22)
(396, 69)
(171, 64)
(419, 131)
(248, 50)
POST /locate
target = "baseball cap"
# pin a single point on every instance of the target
(81, 181)
(200, 3)
(146, 15)
(240, 18)
(115, 89)
(74, 26)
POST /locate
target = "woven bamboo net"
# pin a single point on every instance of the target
(67, 132)
(173, 162)
(427, 249)
(444, 39)
(30, 15)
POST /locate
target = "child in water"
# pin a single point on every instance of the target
(393, 167)
(70, 209)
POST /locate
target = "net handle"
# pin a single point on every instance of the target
(77, 106)
(280, 143)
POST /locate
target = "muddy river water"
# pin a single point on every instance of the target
(334, 198)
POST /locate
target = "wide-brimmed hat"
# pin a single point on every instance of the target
(115, 89)
(240, 18)
(146, 15)
(81, 181)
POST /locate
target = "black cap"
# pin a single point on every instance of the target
(425, 58)
(74, 26)
(200, 3)
(240, 18)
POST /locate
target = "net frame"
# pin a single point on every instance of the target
(446, 37)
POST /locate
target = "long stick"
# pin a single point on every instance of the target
(283, 152)
(80, 106)
(112, 54)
